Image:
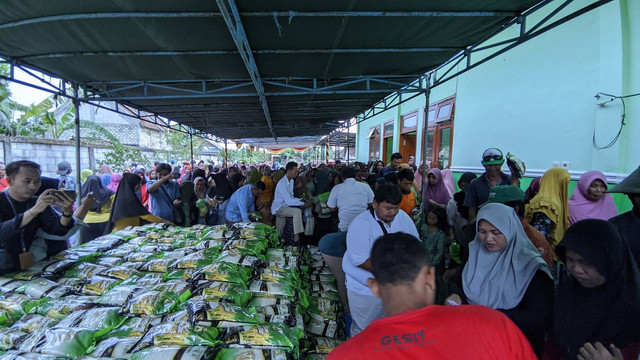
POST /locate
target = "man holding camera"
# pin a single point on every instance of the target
(22, 214)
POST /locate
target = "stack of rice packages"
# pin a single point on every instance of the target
(159, 292)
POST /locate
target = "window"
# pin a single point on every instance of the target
(374, 143)
(440, 133)
(409, 122)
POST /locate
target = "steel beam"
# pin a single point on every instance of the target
(288, 14)
(232, 19)
(235, 52)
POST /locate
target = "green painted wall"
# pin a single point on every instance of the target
(622, 201)
(537, 100)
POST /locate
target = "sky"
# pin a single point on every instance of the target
(23, 94)
(26, 95)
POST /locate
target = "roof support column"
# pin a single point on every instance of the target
(76, 105)
(425, 131)
(232, 19)
(191, 142)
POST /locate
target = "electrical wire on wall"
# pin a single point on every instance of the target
(622, 123)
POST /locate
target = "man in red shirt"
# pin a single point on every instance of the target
(414, 328)
(3, 179)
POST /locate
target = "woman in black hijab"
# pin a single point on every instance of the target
(598, 299)
(237, 181)
(127, 209)
(218, 194)
(98, 217)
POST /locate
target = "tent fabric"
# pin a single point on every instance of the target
(188, 68)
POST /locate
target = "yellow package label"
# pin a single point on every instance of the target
(170, 339)
(220, 312)
(255, 336)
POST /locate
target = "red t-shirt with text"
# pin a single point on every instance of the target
(439, 332)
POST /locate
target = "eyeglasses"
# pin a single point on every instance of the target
(492, 157)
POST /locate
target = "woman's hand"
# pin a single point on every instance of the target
(599, 352)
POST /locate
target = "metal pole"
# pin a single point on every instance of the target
(425, 131)
(348, 140)
(226, 155)
(76, 105)
(191, 140)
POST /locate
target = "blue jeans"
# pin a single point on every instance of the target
(334, 244)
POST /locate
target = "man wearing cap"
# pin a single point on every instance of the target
(629, 222)
(66, 180)
(478, 192)
(513, 197)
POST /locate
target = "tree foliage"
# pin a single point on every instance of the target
(179, 145)
(120, 157)
(246, 156)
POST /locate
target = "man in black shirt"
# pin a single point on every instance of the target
(22, 214)
(394, 165)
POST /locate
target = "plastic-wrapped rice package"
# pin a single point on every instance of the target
(41, 287)
(174, 353)
(8, 285)
(225, 292)
(263, 337)
(255, 354)
(10, 337)
(118, 295)
(135, 327)
(32, 322)
(53, 267)
(232, 257)
(21, 355)
(61, 308)
(203, 313)
(99, 319)
(178, 334)
(58, 341)
(227, 272)
(157, 265)
(108, 261)
(147, 302)
(97, 285)
(271, 289)
(119, 272)
(114, 347)
(84, 270)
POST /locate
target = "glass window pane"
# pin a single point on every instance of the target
(388, 130)
(445, 148)
(432, 114)
(444, 112)
(409, 122)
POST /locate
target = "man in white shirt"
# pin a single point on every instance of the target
(351, 199)
(286, 205)
(364, 230)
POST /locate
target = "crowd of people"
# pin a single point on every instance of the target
(525, 273)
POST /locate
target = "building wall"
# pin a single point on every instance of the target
(537, 100)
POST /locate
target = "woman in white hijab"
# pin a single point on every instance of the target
(507, 273)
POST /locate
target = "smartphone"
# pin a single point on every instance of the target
(69, 193)
(176, 176)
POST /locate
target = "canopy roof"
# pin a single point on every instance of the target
(246, 69)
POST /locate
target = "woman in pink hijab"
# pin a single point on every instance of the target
(589, 200)
(437, 193)
(115, 181)
(447, 179)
